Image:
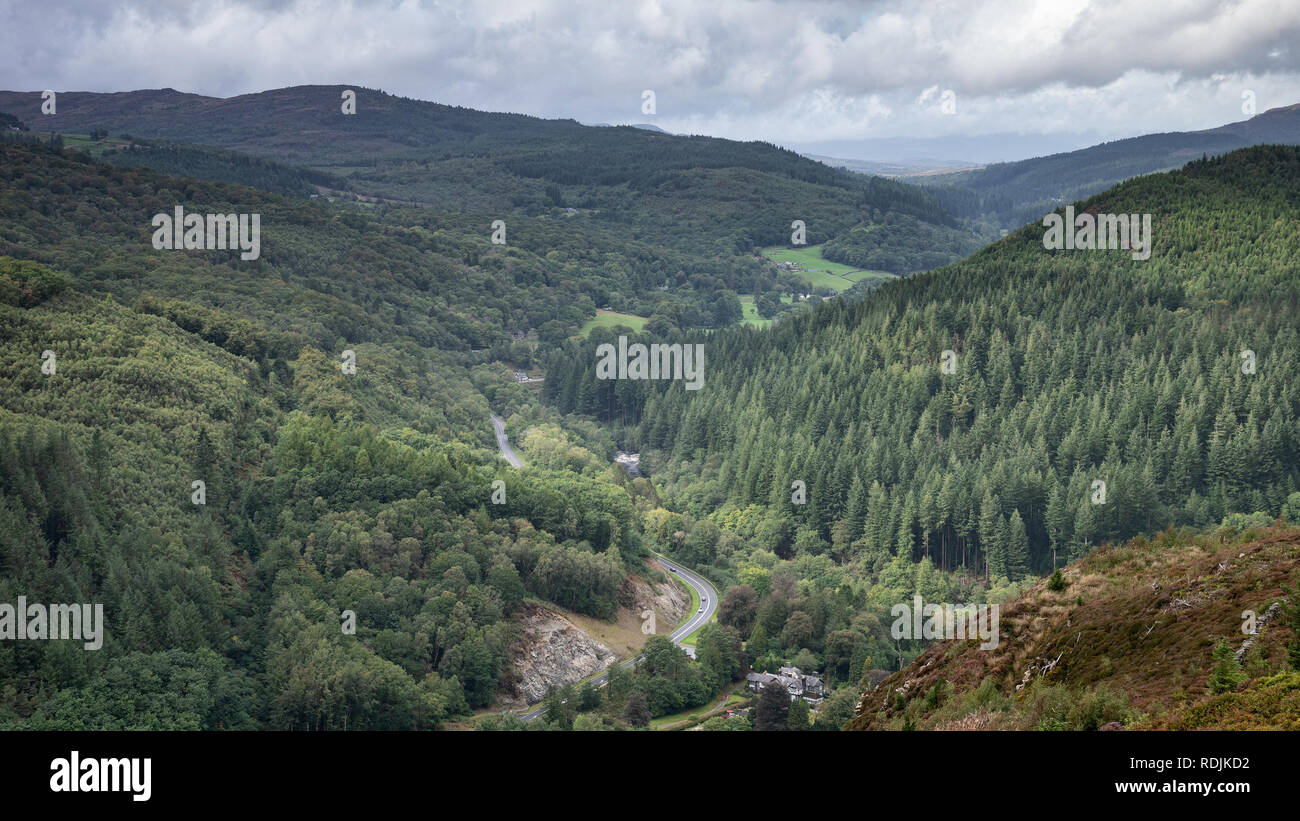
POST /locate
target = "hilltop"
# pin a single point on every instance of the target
(1013, 193)
(703, 194)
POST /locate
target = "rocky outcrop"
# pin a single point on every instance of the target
(668, 600)
(550, 652)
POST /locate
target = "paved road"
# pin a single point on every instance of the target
(708, 599)
(502, 442)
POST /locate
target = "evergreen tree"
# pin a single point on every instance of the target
(1059, 518)
(637, 711)
(1227, 674)
(990, 531)
(797, 718)
(773, 708)
(856, 516)
(204, 457)
(1017, 547)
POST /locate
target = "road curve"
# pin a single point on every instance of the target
(708, 599)
(507, 452)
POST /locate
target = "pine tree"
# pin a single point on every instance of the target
(989, 528)
(204, 457)
(1188, 473)
(877, 530)
(856, 515)
(758, 642)
(773, 709)
(1059, 518)
(906, 541)
(637, 711)
(1017, 547)
(797, 718)
(1086, 525)
(1227, 674)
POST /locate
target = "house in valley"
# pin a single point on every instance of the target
(797, 684)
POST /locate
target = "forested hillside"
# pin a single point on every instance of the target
(549, 276)
(951, 434)
(226, 166)
(901, 244)
(700, 195)
(1014, 193)
(1169, 381)
(321, 491)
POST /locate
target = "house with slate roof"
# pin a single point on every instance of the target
(797, 684)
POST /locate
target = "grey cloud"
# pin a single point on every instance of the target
(795, 71)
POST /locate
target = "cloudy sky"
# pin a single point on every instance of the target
(798, 73)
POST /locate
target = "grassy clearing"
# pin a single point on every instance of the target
(808, 257)
(822, 272)
(694, 715)
(94, 148)
(751, 315)
(623, 636)
(611, 319)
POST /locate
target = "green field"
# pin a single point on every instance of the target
(93, 147)
(750, 310)
(608, 319)
(819, 271)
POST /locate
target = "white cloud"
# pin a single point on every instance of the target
(782, 71)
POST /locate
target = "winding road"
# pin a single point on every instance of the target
(709, 605)
(507, 452)
(706, 591)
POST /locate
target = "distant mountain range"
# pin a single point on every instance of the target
(1018, 192)
(894, 169)
(951, 151)
(702, 194)
(693, 193)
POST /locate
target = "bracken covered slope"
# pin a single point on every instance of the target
(1130, 639)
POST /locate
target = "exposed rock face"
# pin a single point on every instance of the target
(552, 652)
(668, 600)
